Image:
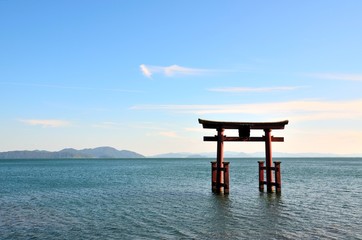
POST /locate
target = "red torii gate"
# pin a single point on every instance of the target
(220, 169)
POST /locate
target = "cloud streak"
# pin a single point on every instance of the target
(245, 89)
(301, 110)
(337, 76)
(171, 71)
(169, 134)
(46, 122)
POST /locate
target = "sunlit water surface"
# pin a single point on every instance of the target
(172, 199)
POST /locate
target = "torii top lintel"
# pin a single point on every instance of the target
(244, 130)
(237, 125)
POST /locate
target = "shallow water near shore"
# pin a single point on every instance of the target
(172, 199)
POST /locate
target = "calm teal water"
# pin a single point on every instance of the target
(172, 199)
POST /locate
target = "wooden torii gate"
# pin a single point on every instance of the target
(220, 169)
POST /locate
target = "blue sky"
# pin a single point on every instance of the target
(137, 75)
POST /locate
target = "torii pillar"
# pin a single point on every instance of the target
(220, 169)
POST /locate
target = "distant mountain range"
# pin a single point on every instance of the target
(100, 152)
(109, 152)
(249, 155)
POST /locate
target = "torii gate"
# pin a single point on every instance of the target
(220, 169)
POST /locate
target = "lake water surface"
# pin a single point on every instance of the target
(171, 199)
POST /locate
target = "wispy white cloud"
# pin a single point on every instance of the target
(170, 71)
(302, 110)
(45, 122)
(337, 76)
(170, 134)
(262, 89)
(145, 70)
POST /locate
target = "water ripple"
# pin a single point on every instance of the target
(171, 199)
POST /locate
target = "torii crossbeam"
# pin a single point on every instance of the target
(220, 169)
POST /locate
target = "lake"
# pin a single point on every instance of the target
(171, 199)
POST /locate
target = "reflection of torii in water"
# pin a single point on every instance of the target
(220, 169)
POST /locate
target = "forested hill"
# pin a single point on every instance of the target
(100, 152)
